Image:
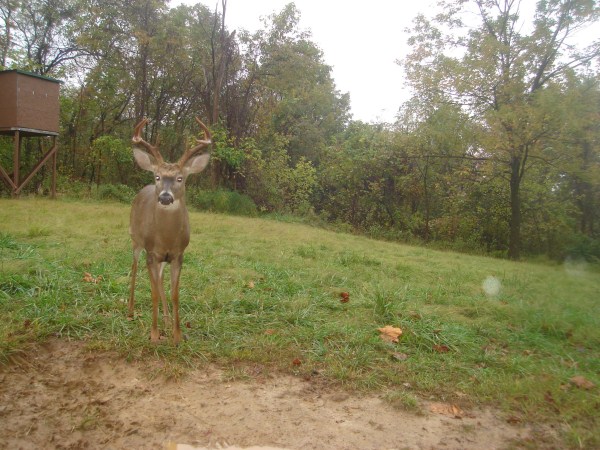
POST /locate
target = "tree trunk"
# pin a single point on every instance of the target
(514, 242)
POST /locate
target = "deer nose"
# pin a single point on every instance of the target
(165, 198)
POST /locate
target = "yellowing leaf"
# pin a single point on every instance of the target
(390, 333)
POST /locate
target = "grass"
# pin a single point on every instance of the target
(262, 293)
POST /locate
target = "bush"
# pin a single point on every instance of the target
(583, 247)
(118, 192)
(222, 201)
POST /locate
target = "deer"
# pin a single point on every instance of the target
(160, 224)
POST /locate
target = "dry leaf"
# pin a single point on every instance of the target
(250, 284)
(446, 409)
(89, 278)
(296, 362)
(270, 332)
(582, 382)
(390, 333)
(441, 348)
(345, 297)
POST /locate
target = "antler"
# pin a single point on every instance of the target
(200, 143)
(137, 140)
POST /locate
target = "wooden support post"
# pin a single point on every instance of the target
(37, 167)
(54, 157)
(16, 162)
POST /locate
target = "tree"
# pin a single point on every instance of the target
(496, 70)
(38, 35)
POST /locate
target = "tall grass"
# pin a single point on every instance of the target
(476, 330)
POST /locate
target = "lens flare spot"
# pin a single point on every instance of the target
(491, 286)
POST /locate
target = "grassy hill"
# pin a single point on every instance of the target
(254, 292)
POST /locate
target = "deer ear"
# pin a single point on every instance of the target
(144, 160)
(196, 164)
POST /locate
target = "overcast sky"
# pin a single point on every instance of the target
(361, 41)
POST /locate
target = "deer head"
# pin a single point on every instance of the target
(170, 177)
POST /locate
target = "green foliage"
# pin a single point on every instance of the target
(582, 247)
(221, 201)
(276, 185)
(119, 192)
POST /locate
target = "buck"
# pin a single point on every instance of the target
(160, 223)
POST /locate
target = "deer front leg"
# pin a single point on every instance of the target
(154, 272)
(134, 267)
(163, 296)
(175, 272)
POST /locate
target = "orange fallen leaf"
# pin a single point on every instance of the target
(345, 297)
(89, 278)
(441, 348)
(296, 362)
(270, 332)
(446, 409)
(582, 382)
(390, 333)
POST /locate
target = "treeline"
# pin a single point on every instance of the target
(498, 150)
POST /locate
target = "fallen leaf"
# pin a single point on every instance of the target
(89, 278)
(441, 348)
(296, 362)
(270, 332)
(390, 333)
(582, 382)
(446, 409)
(250, 284)
(345, 297)
(188, 325)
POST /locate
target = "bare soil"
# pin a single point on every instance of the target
(65, 396)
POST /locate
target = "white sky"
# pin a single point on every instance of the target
(361, 40)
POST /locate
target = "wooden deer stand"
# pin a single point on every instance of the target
(29, 107)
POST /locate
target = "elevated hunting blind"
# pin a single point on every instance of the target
(29, 107)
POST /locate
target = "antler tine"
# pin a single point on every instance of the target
(200, 143)
(137, 140)
(207, 135)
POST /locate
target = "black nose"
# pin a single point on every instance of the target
(165, 198)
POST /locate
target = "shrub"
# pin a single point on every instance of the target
(118, 192)
(583, 247)
(222, 201)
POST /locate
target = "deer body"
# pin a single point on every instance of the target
(159, 224)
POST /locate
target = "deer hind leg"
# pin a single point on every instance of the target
(134, 267)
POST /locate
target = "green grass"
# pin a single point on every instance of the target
(260, 292)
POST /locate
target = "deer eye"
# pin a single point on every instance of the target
(157, 177)
(179, 179)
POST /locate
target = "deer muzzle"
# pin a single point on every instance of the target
(165, 198)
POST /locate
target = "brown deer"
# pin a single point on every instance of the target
(160, 223)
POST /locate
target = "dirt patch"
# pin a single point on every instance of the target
(66, 396)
